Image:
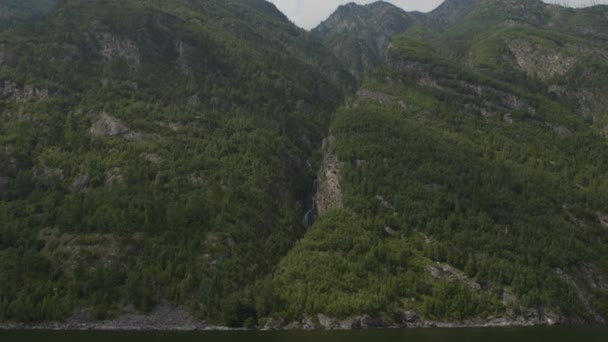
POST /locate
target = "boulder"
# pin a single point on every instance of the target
(327, 323)
(11, 90)
(308, 323)
(351, 324)
(411, 317)
(108, 126)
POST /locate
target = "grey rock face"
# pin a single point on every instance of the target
(109, 126)
(603, 219)
(152, 158)
(350, 324)
(329, 191)
(104, 125)
(11, 90)
(113, 46)
(541, 61)
(327, 323)
(377, 96)
(81, 183)
(308, 323)
(411, 317)
(449, 272)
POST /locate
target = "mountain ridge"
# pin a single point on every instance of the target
(212, 163)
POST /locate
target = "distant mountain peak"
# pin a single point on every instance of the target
(453, 10)
(361, 34)
(351, 14)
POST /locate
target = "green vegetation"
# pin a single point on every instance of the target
(471, 163)
(15, 12)
(206, 192)
(157, 151)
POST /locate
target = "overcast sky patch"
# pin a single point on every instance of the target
(309, 13)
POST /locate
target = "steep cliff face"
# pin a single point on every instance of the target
(329, 192)
(541, 61)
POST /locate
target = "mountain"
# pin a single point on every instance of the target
(360, 35)
(154, 151)
(463, 182)
(187, 164)
(562, 48)
(452, 11)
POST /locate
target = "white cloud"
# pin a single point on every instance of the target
(309, 13)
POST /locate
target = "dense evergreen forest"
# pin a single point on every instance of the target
(455, 163)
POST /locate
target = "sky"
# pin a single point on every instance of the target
(309, 13)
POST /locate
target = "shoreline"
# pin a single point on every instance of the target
(202, 327)
(170, 318)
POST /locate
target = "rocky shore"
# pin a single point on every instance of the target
(170, 318)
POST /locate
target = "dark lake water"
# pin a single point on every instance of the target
(424, 335)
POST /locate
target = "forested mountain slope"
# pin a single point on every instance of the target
(152, 151)
(17, 12)
(359, 35)
(209, 155)
(465, 181)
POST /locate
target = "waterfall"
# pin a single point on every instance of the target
(311, 204)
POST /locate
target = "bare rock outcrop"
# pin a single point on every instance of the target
(152, 158)
(540, 61)
(329, 192)
(449, 272)
(374, 95)
(328, 323)
(12, 90)
(112, 46)
(108, 126)
(80, 183)
(603, 219)
(105, 125)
